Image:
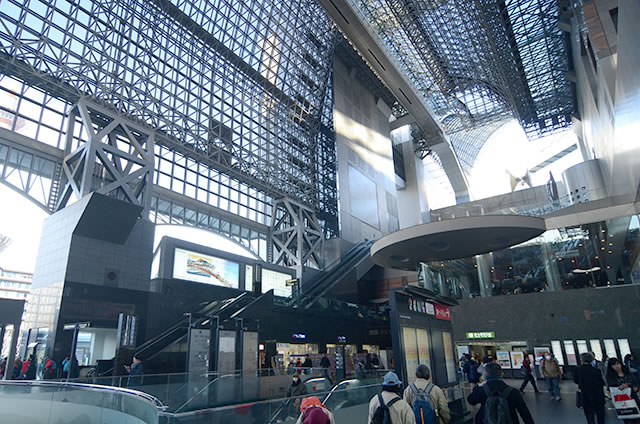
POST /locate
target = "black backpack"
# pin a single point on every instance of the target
(496, 408)
(382, 414)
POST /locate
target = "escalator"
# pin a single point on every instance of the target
(222, 309)
(348, 269)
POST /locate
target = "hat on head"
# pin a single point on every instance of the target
(391, 379)
(309, 402)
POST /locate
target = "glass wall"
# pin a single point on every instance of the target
(599, 254)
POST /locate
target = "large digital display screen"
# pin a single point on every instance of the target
(206, 269)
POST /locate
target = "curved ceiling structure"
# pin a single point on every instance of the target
(454, 239)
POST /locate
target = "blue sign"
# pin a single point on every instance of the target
(299, 336)
(342, 339)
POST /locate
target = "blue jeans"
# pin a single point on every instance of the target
(554, 386)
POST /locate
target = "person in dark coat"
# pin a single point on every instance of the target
(307, 364)
(296, 390)
(325, 364)
(528, 375)
(590, 384)
(30, 374)
(494, 381)
(135, 372)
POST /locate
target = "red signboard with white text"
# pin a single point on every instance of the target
(443, 312)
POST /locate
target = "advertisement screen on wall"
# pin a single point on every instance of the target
(206, 269)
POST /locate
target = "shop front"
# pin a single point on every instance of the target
(422, 334)
(483, 344)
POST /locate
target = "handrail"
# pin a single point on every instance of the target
(180, 325)
(307, 289)
(93, 387)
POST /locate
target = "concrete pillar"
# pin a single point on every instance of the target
(554, 279)
(485, 262)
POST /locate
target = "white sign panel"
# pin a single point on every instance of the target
(623, 345)
(571, 353)
(277, 281)
(610, 348)
(596, 348)
(582, 346)
(206, 269)
(248, 278)
(556, 348)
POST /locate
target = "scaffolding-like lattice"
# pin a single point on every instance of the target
(480, 62)
(238, 87)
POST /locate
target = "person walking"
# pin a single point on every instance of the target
(590, 390)
(325, 364)
(474, 375)
(551, 371)
(312, 411)
(66, 363)
(619, 376)
(528, 375)
(359, 370)
(17, 369)
(416, 394)
(389, 403)
(599, 365)
(491, 395)
(307, 364)
(294, 392)
(632, 365)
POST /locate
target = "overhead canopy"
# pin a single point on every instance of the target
(454, 239)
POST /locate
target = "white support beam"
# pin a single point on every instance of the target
(363, 38)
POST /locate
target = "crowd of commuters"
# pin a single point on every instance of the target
(48, 369)
(423, 402)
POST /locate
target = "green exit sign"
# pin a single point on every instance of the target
(482, 335)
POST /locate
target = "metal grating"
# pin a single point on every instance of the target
(238, 87)
(481, 61)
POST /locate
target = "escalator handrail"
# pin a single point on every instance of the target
(355, 253)
(184, 321)
(328, 280)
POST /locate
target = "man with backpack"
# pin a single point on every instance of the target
(427, 400)
(499, 403)
(388, 407)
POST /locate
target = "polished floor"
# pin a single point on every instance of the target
(546, 411)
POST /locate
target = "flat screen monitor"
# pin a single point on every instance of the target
(572, 359)
(556, 348)
(193, 266)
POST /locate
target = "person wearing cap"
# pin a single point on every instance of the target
(438, 399)
(312, 411)
(399, 412)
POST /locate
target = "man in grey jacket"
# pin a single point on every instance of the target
(438, 399)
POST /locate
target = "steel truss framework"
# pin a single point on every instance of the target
(296, 236)
(116, 161)
(478, 62)
(33, 168)
(234, 92)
